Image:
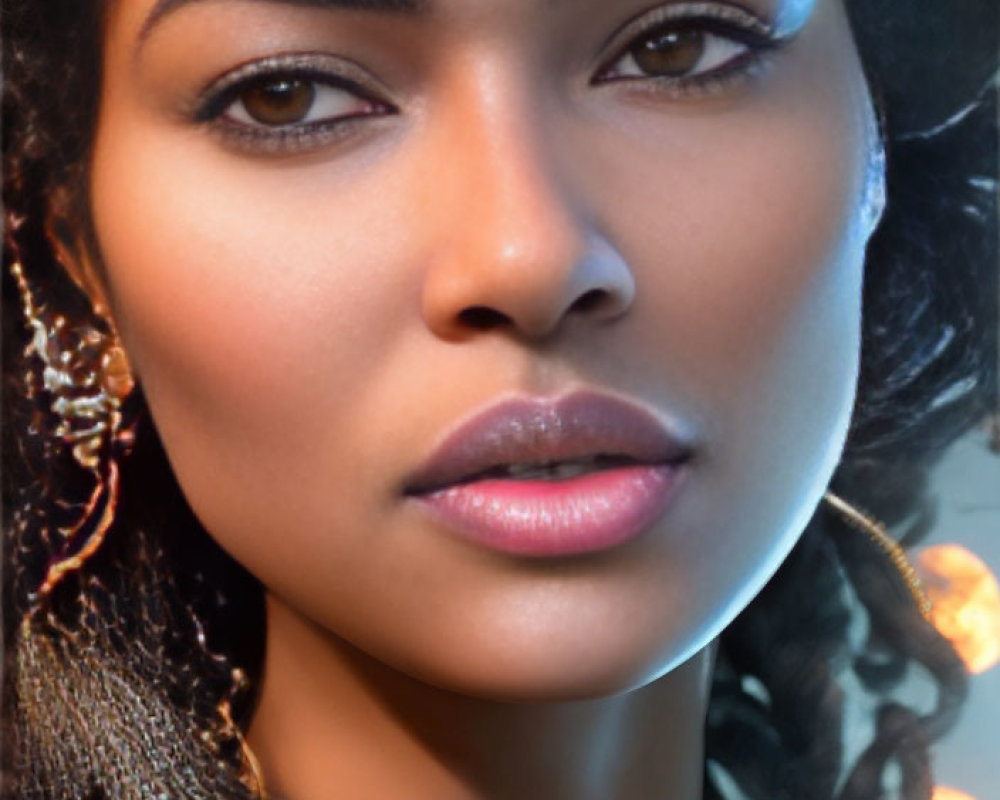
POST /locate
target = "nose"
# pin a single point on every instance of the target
(516, 249)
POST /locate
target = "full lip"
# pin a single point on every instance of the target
(545, 431)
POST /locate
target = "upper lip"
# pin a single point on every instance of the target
(540, 431)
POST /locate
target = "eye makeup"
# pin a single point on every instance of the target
(303, 101)
(290, 102)
(687, 50)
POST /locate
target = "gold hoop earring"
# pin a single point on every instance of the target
(876, 531)
(86, 378)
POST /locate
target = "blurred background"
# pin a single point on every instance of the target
(959, 562)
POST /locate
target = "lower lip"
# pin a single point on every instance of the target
(589, 513)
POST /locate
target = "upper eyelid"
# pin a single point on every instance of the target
(343, 73)
(320, 67)
(352, 77)
(737, 16)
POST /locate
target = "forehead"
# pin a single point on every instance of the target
(788, 14)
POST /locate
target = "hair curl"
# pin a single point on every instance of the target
(153, 635)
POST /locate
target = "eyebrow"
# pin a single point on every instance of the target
(165, 7)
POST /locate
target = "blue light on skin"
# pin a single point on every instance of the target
(792, 15)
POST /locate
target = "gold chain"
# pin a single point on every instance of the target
(876, 531)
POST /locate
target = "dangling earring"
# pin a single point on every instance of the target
(876, 531)
(86, 374)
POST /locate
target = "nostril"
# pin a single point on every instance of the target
(589, 300)
(482, 318)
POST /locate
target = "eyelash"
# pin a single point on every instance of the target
(322, 74)
(723, 25)
(739, 35)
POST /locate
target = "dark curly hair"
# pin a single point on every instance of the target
(159, 635)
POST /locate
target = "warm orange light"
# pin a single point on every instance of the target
(965, 600)
(945, 793)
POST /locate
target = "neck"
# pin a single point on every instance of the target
(333, 722)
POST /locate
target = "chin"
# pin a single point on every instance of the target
(556, 671)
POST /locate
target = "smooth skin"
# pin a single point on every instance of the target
(310, 316)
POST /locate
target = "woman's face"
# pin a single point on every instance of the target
(367, 256)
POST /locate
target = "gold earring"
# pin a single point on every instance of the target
(876, 531)
(84, 372)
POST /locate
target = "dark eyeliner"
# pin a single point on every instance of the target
(724, 20)
(336, 72)
(734, 17)
(318, 68)
(220, 99)
(751, 38)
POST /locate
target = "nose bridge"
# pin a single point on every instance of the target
(512, 186)
(518, 241)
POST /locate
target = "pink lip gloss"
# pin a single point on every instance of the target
(591, 512)
(552, 476)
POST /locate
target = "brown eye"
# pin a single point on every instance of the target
(289, 102)
(686, 53)
(283, 101)
(673, 53)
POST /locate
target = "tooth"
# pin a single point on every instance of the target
(551, 471)
(569, 470)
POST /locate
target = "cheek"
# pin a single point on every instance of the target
(750, 234)
(750, 272)
(248, 314)
(748, 240)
